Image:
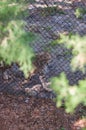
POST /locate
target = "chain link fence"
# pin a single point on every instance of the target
(50, 18)
(47, 19)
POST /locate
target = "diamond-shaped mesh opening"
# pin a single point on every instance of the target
(48, 18)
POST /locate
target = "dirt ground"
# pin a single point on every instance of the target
(35, 113)
(22, 113)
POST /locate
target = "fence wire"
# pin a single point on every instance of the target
(47, 19)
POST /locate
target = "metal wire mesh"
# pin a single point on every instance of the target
(49, 18)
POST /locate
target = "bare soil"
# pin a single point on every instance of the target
(22, 113)
(34, 113)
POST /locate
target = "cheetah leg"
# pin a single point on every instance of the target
(45, 85)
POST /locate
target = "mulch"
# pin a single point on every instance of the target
(34, 113)
(29, 113)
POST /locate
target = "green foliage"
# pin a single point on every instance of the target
(80, 12)
(53, 43)
(72, 95)
(15, 47)
(78, 46)
(62, 128)
(14, 40)
(31, 1)
(83, 128)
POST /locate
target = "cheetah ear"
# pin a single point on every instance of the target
(48, 54)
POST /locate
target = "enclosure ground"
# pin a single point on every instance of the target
(36, 113)
(21, 113)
